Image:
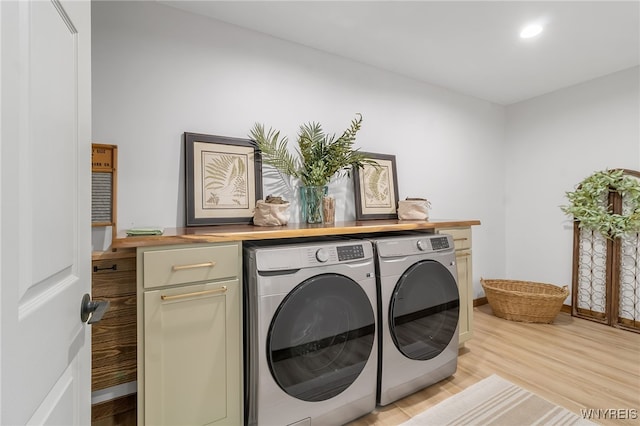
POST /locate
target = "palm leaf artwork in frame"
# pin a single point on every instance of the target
(376, 187)
(223, 179)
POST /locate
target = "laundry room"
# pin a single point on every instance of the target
(488, 130)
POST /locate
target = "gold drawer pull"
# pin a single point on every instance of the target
(460, 239)
(195, 265)
(222, 289)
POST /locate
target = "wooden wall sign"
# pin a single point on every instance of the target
(104, 172)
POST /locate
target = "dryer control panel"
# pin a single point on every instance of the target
(414, 245)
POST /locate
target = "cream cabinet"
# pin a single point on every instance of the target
(190, 335)
(462, 241)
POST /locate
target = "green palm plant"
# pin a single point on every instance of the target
(319, 156)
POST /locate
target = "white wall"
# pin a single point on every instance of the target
(554, 142)
(158, 72)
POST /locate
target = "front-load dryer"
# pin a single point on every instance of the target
(311, 352)
(418, 316)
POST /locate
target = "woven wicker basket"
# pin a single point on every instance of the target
(524, 301)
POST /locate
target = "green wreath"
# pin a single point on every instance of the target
(589, 203)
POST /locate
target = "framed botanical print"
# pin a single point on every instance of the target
(376, 188)
(223, 179)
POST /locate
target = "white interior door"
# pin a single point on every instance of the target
(45, 211)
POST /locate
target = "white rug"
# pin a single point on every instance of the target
(496, 401)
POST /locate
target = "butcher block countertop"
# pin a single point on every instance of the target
(221, 233)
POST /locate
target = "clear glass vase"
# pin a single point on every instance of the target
(311, 203)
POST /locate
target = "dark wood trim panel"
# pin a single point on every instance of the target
(480, 301)
(120, 411)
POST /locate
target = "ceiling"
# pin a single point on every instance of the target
(470, 47)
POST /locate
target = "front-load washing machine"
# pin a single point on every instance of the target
(418, 316)
(311, 352)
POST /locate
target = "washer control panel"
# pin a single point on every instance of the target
(350, 252)
(279, 257)
(439, 243)
(332, 254)
(322, 255)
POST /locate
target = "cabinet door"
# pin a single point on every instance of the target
(465, 283)
(192, 356)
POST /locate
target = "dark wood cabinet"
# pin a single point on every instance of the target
(114, 338)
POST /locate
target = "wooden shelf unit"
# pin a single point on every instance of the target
(114, 338)
(222, 233)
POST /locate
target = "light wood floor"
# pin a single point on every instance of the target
(575, 363)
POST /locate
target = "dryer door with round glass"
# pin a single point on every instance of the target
(423, 311)
(321, 337)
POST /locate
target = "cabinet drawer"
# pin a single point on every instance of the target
(461, 237)
(113, 277)
(185, 265)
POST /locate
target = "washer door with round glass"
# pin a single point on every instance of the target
(423, 311)
(321, 337)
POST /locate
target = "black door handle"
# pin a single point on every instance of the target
(92, 310)
(113, 267)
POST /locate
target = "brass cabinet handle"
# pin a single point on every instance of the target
(460, 239)
(194, 265)
(222, 289)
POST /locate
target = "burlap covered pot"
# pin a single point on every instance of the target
(413, 209)
(271, 214)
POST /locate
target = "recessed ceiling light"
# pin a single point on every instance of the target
(531, 31)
